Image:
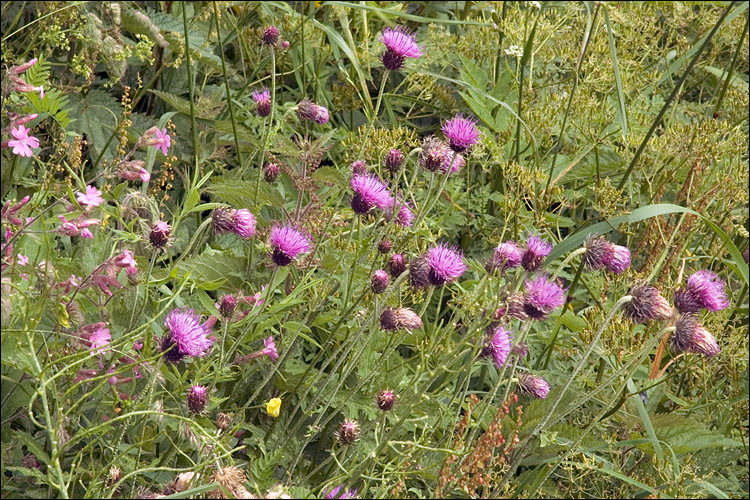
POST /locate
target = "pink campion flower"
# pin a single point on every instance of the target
(76, 227)
(461, 132)
(9, 213)
(91, 198)
(134, 171)
(127, 261)
(22, 260)
(23, 142)
(17, 70)
(96, 336)
(164, 140)
(270, 349)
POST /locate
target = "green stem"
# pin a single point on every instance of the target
(572, 288)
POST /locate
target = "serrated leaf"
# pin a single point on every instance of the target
(329, 174)
(212, 267)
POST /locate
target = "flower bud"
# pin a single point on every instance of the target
(197, 398)
(348, 432)
(397, 265)
(384, 246)
(270, 172)
(385, 399)
(393, 160)
(160, 234)
(380, 281)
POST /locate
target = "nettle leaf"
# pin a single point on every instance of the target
(239, 194)
(98, 114)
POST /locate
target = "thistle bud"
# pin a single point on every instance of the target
(197, 398)
(384, 246)
(359, 167)
(223, 220)
(160, 234)
(270, 172)
(380, 281)
(532, 385)
(223, 421)
(270, 35)
(385, 399)
(393, 160)
(402, 317)
(397, 265)
(690, 336)
(348, 432)
(226, 306)
(419, 273)
(647, 304)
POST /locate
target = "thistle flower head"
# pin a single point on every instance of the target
(222, 220)
(308, 110)
(190, 335)
(536, 251)
(380, 281)
(497, 344)
(385, 399)
(262, 100)
(514, 307)
(337, 493)
(244, 223)
(400, 43)
(647, 304)
(384, 246)
(369, 192)
(507, 255)
(419, 273)
(690, 336)
(287, 243)
(348, 432)
(395, 319)
(705, 290)
(598, 253)
(446, 264)
(396, 265)
(359, 167)
(532, 385)
(461, 132)
(437, 155)
(270, 172)
(620, 260)
(270, 35)
(541, 297)
(404, 216)
(393, 160)
(226, 306)
(197, 398)
(160, 234)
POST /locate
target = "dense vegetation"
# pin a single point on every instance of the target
(374, 249)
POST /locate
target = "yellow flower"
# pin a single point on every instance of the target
(273, 407)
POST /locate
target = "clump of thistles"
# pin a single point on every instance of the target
(308, 110)
(348, 432)
(647, 304)
(380, 281)
(536, 251)
(497, 344)
(197, 398)
(287, 243)
(541, 297)
(262, 100)
(690, 336)
(369, 192)
(461, 133)
(704, 290)
(385, 399)
(601, 254)
(507, 255)
(534, 386)
(395, 319)
(445, 265)
(187, 334)
(400, 43)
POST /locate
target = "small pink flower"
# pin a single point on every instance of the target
(92, 198)
(85, 233)
(127, 261)
(22, 260)
(164, 140)
(270, 349)
(23, 142)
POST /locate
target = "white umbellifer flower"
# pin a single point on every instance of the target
(514, 50)
(536, 5)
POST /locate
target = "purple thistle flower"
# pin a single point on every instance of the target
(647, 304)
(598, 253)
(385, 399)
(380, 281)
(704, 290)
(186, 330)
(369, 192)
(532, 385)
(226, 306)
(393, 160)
(222, 220)
(497, 344)
(536, 251)
(400, 43)
(620, 259)
(287, 244)
(397, 265)
(446, 264)
(402, 317)
(270, 349)
(270, 172)
(541, 297)
(335, 492)
(270, 35)
(244, 223)
(461, 132)
(384, 246)
(359, 167)
(690, 336)
(160, 234)
(308, 110)
(263, 100)
(404, 217)
(507, 255)
(197, 398)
